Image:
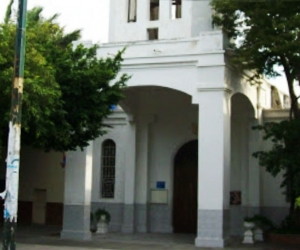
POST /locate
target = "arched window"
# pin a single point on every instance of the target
(108, 163)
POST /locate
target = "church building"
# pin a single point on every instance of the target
(177, 157)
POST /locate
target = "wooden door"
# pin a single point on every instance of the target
(185, 189)
(39, 206)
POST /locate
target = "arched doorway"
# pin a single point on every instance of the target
(185, 188)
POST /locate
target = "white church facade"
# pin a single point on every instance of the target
(178, 155)
(181, 143)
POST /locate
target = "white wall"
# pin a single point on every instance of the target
(196, 17)
(174, 125)
(39, 170)
(272, 194)
(118, 134)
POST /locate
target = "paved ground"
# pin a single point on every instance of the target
(47, 238)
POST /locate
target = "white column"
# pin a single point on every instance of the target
(141, 178)
(129, 183)
(213, 167)
(77, 197)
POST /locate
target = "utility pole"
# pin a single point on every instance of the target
(14, 137)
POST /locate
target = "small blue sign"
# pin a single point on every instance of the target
(160, 184)
(113, 107)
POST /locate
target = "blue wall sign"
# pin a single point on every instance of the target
(160, 184)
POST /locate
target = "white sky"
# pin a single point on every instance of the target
(91, 16)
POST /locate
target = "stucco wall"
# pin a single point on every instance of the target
(39, 170)
(196, 17)
(273, 200)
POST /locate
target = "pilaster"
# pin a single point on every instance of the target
(142, 173)
(128, 214)
(77, 199)
(213, 167)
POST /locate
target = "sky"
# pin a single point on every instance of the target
(91, 16)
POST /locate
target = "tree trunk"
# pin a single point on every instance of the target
(294, 100)
(290, 81)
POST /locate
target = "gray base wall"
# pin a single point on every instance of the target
(116, 213)
(154, 218)
(128, 219)
(141, 218)
(160, 218)
(76, 222)
(237, 215)
(213, 228)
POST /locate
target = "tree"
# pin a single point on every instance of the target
(263, 35)
(284, 156)
(68, 91)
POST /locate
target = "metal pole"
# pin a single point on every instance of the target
(14, 137)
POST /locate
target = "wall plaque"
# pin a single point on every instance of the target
(159, 196)
(235, 197)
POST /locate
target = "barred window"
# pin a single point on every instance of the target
(108, 163)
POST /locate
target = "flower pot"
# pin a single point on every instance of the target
(258, 234)
(249, 225)
(248, 234)
(102, 227)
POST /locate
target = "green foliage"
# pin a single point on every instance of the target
(298, 202)
(67, 89)
(8, 11)
(100, 212)
(249, 219)
(284, 156)
(261, 221)
(263, 34)
(288, 226)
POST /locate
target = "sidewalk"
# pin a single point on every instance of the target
(47, 238)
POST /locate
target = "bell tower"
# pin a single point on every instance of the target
(142, 20)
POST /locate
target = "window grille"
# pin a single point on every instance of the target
(108, 173)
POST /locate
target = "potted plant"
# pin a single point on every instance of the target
(262, 225)
(249, 222)
(102, 217)
(248, 234)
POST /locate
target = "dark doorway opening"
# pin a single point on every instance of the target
(185, 188)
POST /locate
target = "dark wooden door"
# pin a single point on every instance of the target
(185, 189)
